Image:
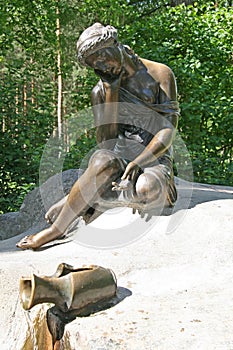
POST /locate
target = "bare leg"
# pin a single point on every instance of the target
(83, 195)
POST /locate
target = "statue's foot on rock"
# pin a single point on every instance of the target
(38, 239)
(54, 211)
(28, 242)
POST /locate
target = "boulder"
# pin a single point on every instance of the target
(174, 282)
(30, 217)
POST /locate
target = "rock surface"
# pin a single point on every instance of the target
(175, 280)
(30, 217)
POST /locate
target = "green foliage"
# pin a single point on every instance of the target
(203, 65)
(76, 156)
(195, 41)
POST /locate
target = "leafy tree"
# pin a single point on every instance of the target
(193, 38)
(195, 41)
(26, 100)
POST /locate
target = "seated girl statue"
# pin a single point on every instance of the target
(136, 114)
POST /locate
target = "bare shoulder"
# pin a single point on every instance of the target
(163, 75)
(158, 71)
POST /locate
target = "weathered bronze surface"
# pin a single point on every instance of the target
(73, 291)
(136, 114)
(69, 288)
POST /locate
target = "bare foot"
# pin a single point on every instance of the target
(55, 210)
(27, 243)
(37, 240)
(53, 213)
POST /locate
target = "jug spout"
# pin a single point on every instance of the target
(36, 290)
(69, 288)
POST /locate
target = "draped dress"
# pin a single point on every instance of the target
(138, 123)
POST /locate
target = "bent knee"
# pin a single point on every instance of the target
(104, 160)
(148, 187)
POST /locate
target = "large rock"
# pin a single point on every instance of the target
(175, 282)
(174, 290)
(30, 217)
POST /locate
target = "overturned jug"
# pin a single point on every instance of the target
(70, 289)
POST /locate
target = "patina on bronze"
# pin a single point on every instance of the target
(69, 288)
(73, 291)
(136, 114)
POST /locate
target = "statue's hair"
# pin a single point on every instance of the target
(95, 38)
(98, 37)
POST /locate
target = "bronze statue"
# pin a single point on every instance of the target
(136, 114)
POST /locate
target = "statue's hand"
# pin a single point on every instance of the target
(128, 179)
(110, 81)
(123, 185)
(131, 172)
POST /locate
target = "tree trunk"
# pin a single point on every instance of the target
(59, 73)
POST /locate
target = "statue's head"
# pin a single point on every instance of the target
(95, 38)
(98, 47)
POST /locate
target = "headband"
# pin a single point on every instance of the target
(95, 38)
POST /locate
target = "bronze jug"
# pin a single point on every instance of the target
(69, 288)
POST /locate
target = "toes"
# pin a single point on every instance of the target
(25, 243)
(22, 245)
(48, 219)
(23, 240)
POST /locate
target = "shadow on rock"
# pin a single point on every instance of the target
(56, 319)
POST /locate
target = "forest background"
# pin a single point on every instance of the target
(43, 87)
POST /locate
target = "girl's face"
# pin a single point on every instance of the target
(107, 61)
